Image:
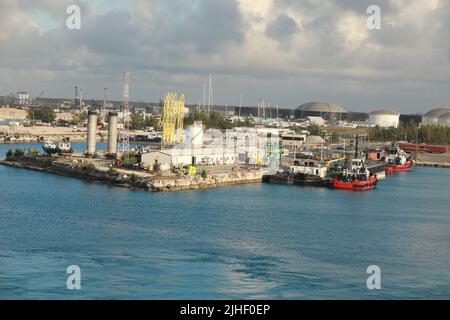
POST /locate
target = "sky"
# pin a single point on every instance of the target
(286, 51)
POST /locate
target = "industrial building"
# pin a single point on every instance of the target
(292, 142)
(238, 146)
(432, 117)
(328, 111)
(384, 118)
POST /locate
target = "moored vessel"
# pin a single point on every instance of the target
(355, 178)
(397, 160)
(63, 147)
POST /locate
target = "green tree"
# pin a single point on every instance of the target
(44, 114)
(76, 119)
(18, 153)
(9, 154)
(137, 121)
(212, 120)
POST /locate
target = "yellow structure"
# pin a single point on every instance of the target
(172, 119)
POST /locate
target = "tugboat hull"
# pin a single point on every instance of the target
(356, 185)
(401, 168)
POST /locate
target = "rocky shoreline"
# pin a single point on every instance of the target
(151, 184)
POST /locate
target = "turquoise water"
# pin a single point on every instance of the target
(243, 242)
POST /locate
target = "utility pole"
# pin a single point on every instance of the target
(104, 101)
(240, 103)
(210, 95)
(204, 96)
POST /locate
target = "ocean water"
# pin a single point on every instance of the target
(244, 242)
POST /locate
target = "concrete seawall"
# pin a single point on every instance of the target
(152, 184)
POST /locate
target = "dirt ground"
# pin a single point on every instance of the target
(10, 113)
(438, 158)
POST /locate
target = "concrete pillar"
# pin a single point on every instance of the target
(92, 132)
(112, 133)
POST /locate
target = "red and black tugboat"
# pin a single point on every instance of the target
(354, 175)
(397, 160)
(355, 178)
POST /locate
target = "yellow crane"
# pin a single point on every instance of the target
(172, 119)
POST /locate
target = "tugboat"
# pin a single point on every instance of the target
(397, 160)
(62, 148)
(309, 173)
(308, 170)
(357, 178)
(50, 147)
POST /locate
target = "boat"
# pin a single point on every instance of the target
(355, 178)
(304, 172)
(63, 147)
(309, 172)
(50, 147)
(397, 160)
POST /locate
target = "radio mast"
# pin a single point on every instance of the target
(124, 138)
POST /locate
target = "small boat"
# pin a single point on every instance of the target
(397, 160)
(63, 147)
(50, 147)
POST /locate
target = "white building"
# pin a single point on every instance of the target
(22, 98)
(239, 146)
(316, 121)
(384, 118)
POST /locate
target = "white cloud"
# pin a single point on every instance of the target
(284, 50)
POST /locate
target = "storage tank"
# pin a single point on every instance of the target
(196, 134)
(432, 117)
(92, 132)
(384, 118)
(444, 120)
(112, 133)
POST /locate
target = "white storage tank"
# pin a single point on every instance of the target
(196, 134)
(432, 116)
(444, 120)
(385, 118)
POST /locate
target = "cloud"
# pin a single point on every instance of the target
(283, 27)
(287, 51)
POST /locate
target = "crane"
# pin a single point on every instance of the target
(172, 119)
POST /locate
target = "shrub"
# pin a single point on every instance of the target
(18, 153)
(32, 152)
(88, 166)
(130, 160)
(204, 175)
(112, 171)
(9, 154)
